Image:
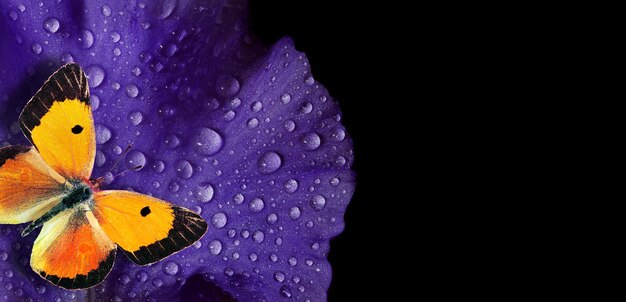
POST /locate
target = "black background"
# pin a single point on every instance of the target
(342, 46)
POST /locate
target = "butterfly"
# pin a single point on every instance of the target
(50, 185)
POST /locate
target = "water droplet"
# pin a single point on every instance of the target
(95, 100)
(293, 261)
(311, 141)
(13, 15)
(170, 268)
(338, 135)
(227, 85)
(166, 8)
(95, 74)
(286, 98)
(257, 204)
(51, 25)
(258, 236)
(256, 106)
(207, 142)
(106, 10)
(307, 107)
(136, 71)
(272, 218)
(294, 213)
(174, 186)
(184, 169)
(279, 276)
(117, 150)
(215, 247)
(103, 134)
(291, 186)
(219, 220)
(172, 141)
(205, 192)
(310, 80)
(253, 257)
(132, 90)
(117, 52)
(135, 117)
(318, 202)
(285, 291)
(115, 36)
(67, 58)
(4, 255)
(36, 48)
(158, 166)
(289, 125)
(238, 198)
(252, 123)
(8, 273)
(134, 159)
(123, 279)
(269, 162)
(157, 282)
(85, 39)
(340, 161)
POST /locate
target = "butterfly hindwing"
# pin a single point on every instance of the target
(72, 251)
(59, 123)
(147, 229)
(28, 187)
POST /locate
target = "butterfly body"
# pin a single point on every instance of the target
(82, 226)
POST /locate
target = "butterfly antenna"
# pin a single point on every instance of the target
(130, 169)
(120, 158)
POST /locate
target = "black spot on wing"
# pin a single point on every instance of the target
(77, 129)
(11, 152)
(188, 227)
(145, 211)
(67, 83)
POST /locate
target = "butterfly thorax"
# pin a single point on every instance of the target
(79, 194)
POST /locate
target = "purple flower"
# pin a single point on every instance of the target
(242, 134)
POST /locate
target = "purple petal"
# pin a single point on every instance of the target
(250, 141)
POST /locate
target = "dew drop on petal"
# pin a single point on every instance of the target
(257, 204)
(170, 268)
(279, 276)
(294, 213)
(135, 159)
(135, 117)
(307, 107)
(219, 220)
(95, 74)
(166, 8)
(36, 48)
(227, 85)
(338, 135)
(289, 125)
(269, 162)
(286, 98)
(103, 134)
(291, 185)
(85, 39)
(207, 142)
(258, 236)
(285, 291)
(51, 25)
(172, 141)
(318, 202)
(184, 169)
(100, 159)
(238, 198)
(256, 106)
(205, 192)
(106, 10)
(252, 123)
(158, 166)
(132, 91)
(215, 247)
(311, 141)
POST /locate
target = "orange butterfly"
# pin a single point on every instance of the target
(50, 185)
